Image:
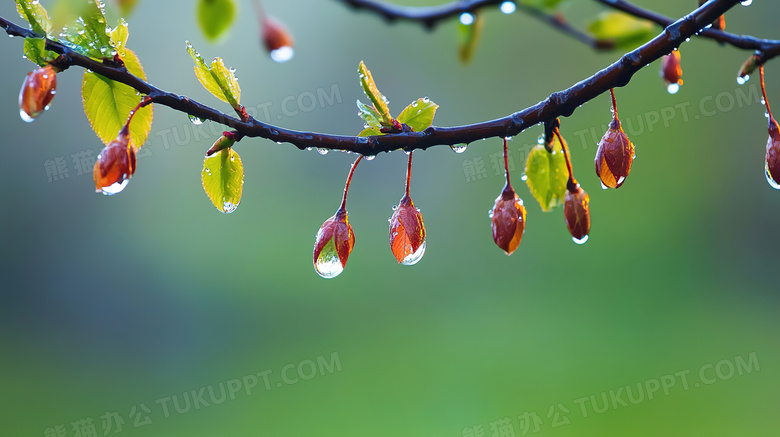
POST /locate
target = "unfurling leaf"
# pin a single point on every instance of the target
(35, 14)
(468, 36)
(108, 104)
(419, 114)
(115, 165)
(407, 233)
(215, 17)
(773, 155)
(37, 92)
(216, 78)
(625, 30)
(372, 92)
(508, 220)
(333, 245)
(370, 132)
(576, 211)
(277, 39)
(369, 115)
(223, 179)
(547, 174)
(614, 156)
(119, 37)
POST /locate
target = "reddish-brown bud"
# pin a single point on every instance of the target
(407, 233)
(576, 210)
(333, 244)
(614, 156)
(37, 92)
(115, 165)
(508, 220)
(773, 155)
(277, 39)
(671, 71)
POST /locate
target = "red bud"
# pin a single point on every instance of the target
(614, 156)
(508, 220)
(37, 92)
(576, 210)
(773, 155)
(333, 244)
(115, 165)
(277, 39)
(407, 233)
(671, 71)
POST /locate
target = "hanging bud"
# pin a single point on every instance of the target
(277, 39)
(115, 165)
(614, 155)
(576, 210)
(37, 92)
(333, 244)
(407, 233)
(508, 220)
(773, 155)
(671, 71)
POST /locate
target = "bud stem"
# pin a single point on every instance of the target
(506, 162)
(343, 206)
(146, 101)
(763, 91)
(614, 104)
(409, 173)
(572, 184)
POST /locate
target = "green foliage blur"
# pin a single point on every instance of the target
(112, 306)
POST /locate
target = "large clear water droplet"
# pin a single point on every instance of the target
(197, 121)
(508, 7)
(328, 264)
(746, 2)
(115, 188)
(582, 240)
(228, 207)
(370, 157)
(282, 54)
(466, 19)
(414, 258)
(743, 79)
(459, 148)
(672, 88)
(769, 179)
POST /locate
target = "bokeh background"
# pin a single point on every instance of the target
(116, 304)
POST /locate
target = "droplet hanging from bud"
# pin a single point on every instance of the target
(576, 211)
(278, 41)
(407, 233)
(333, 245)
(671, 71)
(37, 92)
(508, 220)
(115, 165)
(615, 153)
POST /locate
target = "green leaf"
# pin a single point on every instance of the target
(88, 35)
(215, 17)
(35, 51)
(372, 92)
(547, 175)
(216, 78)
(223, 179)
(419, 114)
(108, 104)
(370, 132)
(36, 15)
(623, 29)
(468, 35)
(541, 4)
(369, 115)
(119, 37)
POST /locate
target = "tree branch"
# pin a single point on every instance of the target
(562, 103)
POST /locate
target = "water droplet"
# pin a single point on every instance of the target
(197, 121)
(25, 117)
(459, 148)
(672, 88)
(370, 157)
(322, 151)
(466, 19)
(116, 187)
(620, 180)
(508, 7)
(743, 79)
(328, 264)
(523, 177)
(228, 207)
(582, 240)
(769, 179)
(414, 258)
(540, 140)
(509, 138)
(604, 187)
(208, 171)
(746, 2)
(490, 213)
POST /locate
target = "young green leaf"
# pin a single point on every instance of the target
(541, 4)
(419, 114)
(370, 132)
(35, 51)
(372, 92)
(215, 17)
(623, 29)
(547, 175)
(216, 78)
(369, 115)
(119, 37)
(108, 104)
(468, 35)
(88, 35)
(223, 179)
(36, 15)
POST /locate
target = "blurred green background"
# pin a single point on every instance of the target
(116, 304)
